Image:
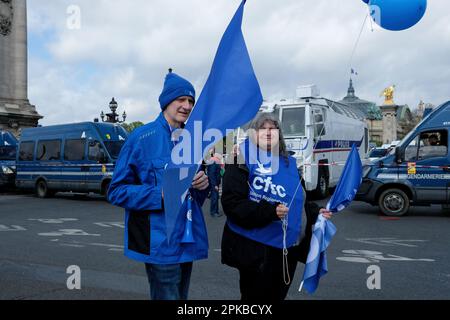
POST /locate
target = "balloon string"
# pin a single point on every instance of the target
(357, 41)
(286, 275)
(284, 227)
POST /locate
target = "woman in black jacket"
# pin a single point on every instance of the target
(265, 272)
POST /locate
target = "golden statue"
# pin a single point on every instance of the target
(388, 94)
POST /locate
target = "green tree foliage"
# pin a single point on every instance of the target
(133, 125)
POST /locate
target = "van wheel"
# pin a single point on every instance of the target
(322, 191)
(105, 187)
(394, 202)
(42, 190)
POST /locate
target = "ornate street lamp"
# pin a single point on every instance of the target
(113, 105)
(113, 117)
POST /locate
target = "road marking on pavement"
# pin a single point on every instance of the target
(111, 247)
(366, 256)
(55, 221)
(11, 228)
(72, 245)
(68, 232)
(118, 224)
(387, 241)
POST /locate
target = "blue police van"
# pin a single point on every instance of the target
(8, 150)
(77, 157)
(415, 172)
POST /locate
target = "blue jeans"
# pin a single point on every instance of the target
(169, 281)
(214, 209)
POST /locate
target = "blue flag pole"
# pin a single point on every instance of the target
(230, 98)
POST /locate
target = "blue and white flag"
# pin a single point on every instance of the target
(324, 230)
(316, 263)
(230, 98)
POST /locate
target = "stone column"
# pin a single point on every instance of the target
(16, 112)
(389, 113)
(19, 51)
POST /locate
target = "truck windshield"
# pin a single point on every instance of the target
(293, 121)
(8, 153)
(114, 148)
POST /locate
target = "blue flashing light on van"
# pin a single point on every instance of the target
(77, 157)
(415, 172)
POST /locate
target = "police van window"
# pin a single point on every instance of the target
(95, 151)
(318, 118)
(74, 149)
(114, 148)
(26, 151)
(324, 114)
(49, 150)
(433, 144)
(293, 121)
(319, 127)
(411, 150)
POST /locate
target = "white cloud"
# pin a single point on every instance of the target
(124, 48)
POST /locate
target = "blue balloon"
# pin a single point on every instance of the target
(397, 15)
(366, 1)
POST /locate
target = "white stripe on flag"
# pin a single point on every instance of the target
(183, 196)
(184, 172)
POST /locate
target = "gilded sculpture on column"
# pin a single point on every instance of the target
(388, 94)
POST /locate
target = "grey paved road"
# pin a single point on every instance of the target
(40, 239)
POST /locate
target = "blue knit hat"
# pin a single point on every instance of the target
(175, 87)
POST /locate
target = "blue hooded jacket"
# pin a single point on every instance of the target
(136, 186)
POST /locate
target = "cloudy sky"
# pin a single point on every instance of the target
(123, 48)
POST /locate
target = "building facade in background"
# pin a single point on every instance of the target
(387, 122)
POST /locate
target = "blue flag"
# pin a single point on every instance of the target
(316, 263)
(230, 98)
(349, 183)
(324, 230)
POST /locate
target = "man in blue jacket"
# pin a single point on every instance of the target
(137, 187)
(213, 170)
